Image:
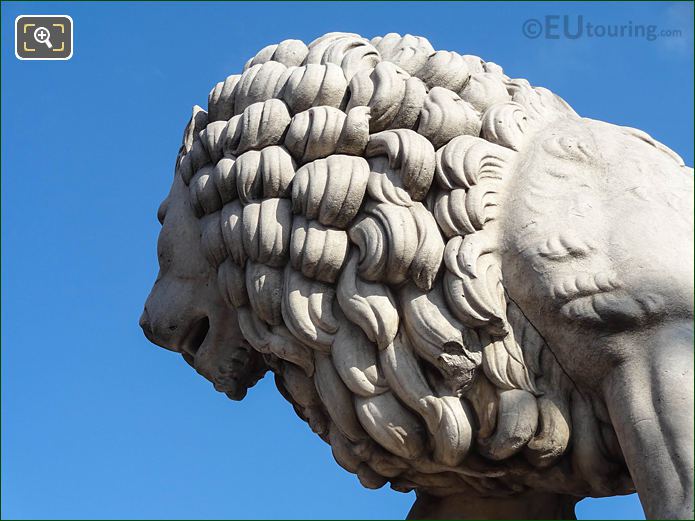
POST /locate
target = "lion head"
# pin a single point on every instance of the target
(338, 217)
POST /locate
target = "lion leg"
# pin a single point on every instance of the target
(528, 505)
(650, 403)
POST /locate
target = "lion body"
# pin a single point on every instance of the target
(369, 218)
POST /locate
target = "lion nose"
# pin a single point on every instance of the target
(155, 333)
(146, 325)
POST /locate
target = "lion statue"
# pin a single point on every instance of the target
(462, 286)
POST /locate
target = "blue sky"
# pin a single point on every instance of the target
(97, 422)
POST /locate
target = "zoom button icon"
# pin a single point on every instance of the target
(43, 37)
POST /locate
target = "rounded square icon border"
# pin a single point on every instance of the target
(72, 36)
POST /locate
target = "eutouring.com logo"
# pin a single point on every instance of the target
(556, 27)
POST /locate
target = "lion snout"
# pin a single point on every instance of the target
(146, 326)
(162, 335)
(173, 318)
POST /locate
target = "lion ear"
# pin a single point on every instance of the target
(198, 121)
(187, 163)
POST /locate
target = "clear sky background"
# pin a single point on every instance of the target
(97, 422)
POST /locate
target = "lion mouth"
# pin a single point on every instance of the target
(196, 336)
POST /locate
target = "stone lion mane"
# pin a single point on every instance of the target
(348, 193)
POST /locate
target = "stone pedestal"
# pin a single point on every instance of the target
(530, 505)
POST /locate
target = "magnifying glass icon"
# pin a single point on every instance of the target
(43, 35)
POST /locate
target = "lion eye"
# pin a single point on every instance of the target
(162, 211)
